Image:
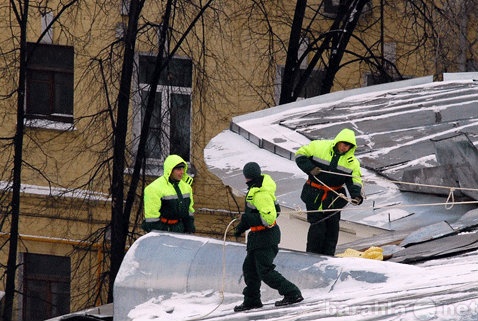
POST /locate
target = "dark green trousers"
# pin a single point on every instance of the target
(323, 234)
(258, 266)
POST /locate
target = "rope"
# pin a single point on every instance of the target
(408, 183)
(330, 189)
(450, 201)
(452, 197)
(221, 291)
(339, 195)
(436, 186)
(300, 211)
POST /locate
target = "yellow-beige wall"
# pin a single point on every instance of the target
(234, 75)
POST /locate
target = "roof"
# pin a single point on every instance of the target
(160, 264)
(168, 276)
(404, 132)
(400, 128)
(99, 313)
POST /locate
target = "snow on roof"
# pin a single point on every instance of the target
(395, 125)
(185, 277)
(176, 277)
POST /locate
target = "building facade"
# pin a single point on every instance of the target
(229, 63)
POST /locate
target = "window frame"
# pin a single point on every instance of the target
(330, 8)
(165, 92)
(34, 276)
(57, 79)
(316, 73)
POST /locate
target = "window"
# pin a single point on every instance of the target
(49, 85)
(390, 57)
(46, 286)
(46, 19)
(390, 52)
(376, 79)
(312, 85)
(331, 7)
(124, 10)
(170, 124)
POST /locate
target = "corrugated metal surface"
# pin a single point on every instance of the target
(159, 264)
(398, 126)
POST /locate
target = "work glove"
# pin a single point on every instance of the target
(357, 200)
(237, 234)
(315, 171)
(278, 209)
(238, 237)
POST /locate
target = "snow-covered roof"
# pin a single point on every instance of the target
(167, 276)
(397, 127)
(178, 277)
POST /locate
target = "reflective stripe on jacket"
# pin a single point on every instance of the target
(260, 210)
(161, 198)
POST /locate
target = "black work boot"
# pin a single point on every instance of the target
(245, 307)
(289, 299)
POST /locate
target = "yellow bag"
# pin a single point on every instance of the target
(373, 253)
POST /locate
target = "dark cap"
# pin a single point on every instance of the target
(347, 143)
(251, 170)
(180, 165)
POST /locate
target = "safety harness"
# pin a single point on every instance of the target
(261, 227)
(168, 221)
(326, 189)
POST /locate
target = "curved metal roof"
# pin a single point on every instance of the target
(160, 264)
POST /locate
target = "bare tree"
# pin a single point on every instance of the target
(271, 34)
(22, 18)
(121, 213)
(327, 48)
(318, 38)
(119, 219)
(388, 40)
(21, 15)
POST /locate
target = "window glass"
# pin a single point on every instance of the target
(180, 125)
(312, 85)
(63, 93)
(38, 92)
(46, 286)
(153, 144)
(49, 84)
(177, 73)
(170, 124)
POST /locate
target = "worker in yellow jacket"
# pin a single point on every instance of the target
(331, 166)
(262, 242)
(168, 200)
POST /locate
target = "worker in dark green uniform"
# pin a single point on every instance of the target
(168, 200)
(262, 242)
(331, 166)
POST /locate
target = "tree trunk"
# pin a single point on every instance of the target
(335, 41)
(17, 172)
(340, 41)
(292, 66)
(120, 221)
